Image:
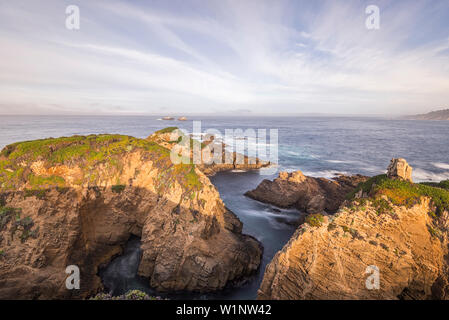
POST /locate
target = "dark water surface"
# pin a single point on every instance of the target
(319, 146)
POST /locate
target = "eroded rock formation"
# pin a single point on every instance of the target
(399, 169)
(390, 226)
(210, 156)
(309, 194)
(77, 200)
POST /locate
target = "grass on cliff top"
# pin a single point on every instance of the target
(86, 152)
(59, 150)
(166, 130)
(315, 220)
(401, 192)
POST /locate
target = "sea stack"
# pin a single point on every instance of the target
(399, 169)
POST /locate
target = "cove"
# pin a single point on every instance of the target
(271, 226)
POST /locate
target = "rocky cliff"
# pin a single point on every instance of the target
(389, 229)
(309, 194)
(77, 200)
(211, 156)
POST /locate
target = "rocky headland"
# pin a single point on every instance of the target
(77, 200)
(387, 225)
(434, 115)
(208, 150)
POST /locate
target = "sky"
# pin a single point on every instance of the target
(235, 57)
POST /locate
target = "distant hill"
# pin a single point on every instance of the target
(434, 115)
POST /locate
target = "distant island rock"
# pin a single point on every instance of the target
(434, 115)
(182, 119)
(168, 118)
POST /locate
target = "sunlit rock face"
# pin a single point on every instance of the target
(399, 169)
(77, 201)
(388, 240)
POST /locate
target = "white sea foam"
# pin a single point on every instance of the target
(325, 173)
(420, 175)
(441, 165)
(341, 161)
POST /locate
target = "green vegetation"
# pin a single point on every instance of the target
(26, 224)
(130, 295)
(315, 220)
(442, 184)
(400, 192)
(45, 182)
(166, 130)
(85, 151)
(192, 179)
(6, 213)
(38, 193)
(382, 206)
(434, 232)
(118, 188)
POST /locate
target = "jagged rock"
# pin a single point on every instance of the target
(334, 259)
(297, 177)
(283, 175)
(294, 190)
(77, 200)
(399, 169)
(226, 161)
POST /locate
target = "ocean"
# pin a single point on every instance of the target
(319, 146)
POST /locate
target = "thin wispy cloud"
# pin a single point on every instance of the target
(218, 56)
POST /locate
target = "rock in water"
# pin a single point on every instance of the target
(399, 169)
(307, 194)
(77, 200)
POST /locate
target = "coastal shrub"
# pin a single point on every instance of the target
(38, 193)
(45, 182)
(26, 224)
(192, 179)
(435, 233)
(382, 206)
(442, 184)
(118, 188)
(60, 150)
(6, 213)
(166, 130)
(130, 295)
(366, 186)
(315, 220)
(404, 193)
(87, 150)
(136, 295)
